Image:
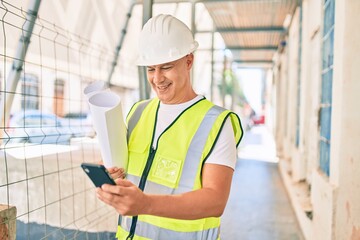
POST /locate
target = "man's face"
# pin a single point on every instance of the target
(171, 81)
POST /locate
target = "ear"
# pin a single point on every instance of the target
(189, 60)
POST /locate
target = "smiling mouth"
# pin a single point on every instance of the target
(163, 87)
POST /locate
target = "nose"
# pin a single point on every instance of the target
(158, 76)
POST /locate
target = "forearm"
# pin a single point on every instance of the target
(209, 201)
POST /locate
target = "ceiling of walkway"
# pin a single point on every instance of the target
(252, 29)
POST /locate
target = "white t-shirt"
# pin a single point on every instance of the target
(224, 152)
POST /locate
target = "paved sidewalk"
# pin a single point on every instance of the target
(258, 207)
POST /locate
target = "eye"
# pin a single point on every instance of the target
(150, 69)
(167, 67)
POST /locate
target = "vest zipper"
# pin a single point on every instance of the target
(142, 186)
(147, 168)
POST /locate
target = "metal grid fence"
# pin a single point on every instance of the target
(43, 192)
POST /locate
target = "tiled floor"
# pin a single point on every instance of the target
(258, 207)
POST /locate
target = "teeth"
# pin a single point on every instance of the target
(162, 87)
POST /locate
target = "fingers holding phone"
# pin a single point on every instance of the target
(116, 172)
(125, 197)
(98, 174)
(121, 194)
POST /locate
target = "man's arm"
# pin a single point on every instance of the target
(209, 201)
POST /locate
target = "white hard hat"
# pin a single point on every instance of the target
(163, 39)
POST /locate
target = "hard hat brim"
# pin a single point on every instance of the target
(152, 62)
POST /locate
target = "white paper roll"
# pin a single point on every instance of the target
(108, 121)
(95, 87)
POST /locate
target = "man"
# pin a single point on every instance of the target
(182, 148)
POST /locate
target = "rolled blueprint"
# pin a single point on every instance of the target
(108, 121)
(95, 87)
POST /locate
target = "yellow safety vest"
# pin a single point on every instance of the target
(174, 167)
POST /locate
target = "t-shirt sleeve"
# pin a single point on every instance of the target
(224, 152)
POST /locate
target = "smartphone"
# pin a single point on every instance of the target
(98, 174)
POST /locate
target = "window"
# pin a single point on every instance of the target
(326, 85)
(59, 97)
(29, 92)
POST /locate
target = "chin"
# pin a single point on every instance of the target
(164, 98)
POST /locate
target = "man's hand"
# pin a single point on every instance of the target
(125, 197)
(116, 172)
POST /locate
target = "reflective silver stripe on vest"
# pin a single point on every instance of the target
(147, 230)
(192, 159)
(195, 150)
(136, 116)
(150, 186)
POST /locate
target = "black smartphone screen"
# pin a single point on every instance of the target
(98, 174)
